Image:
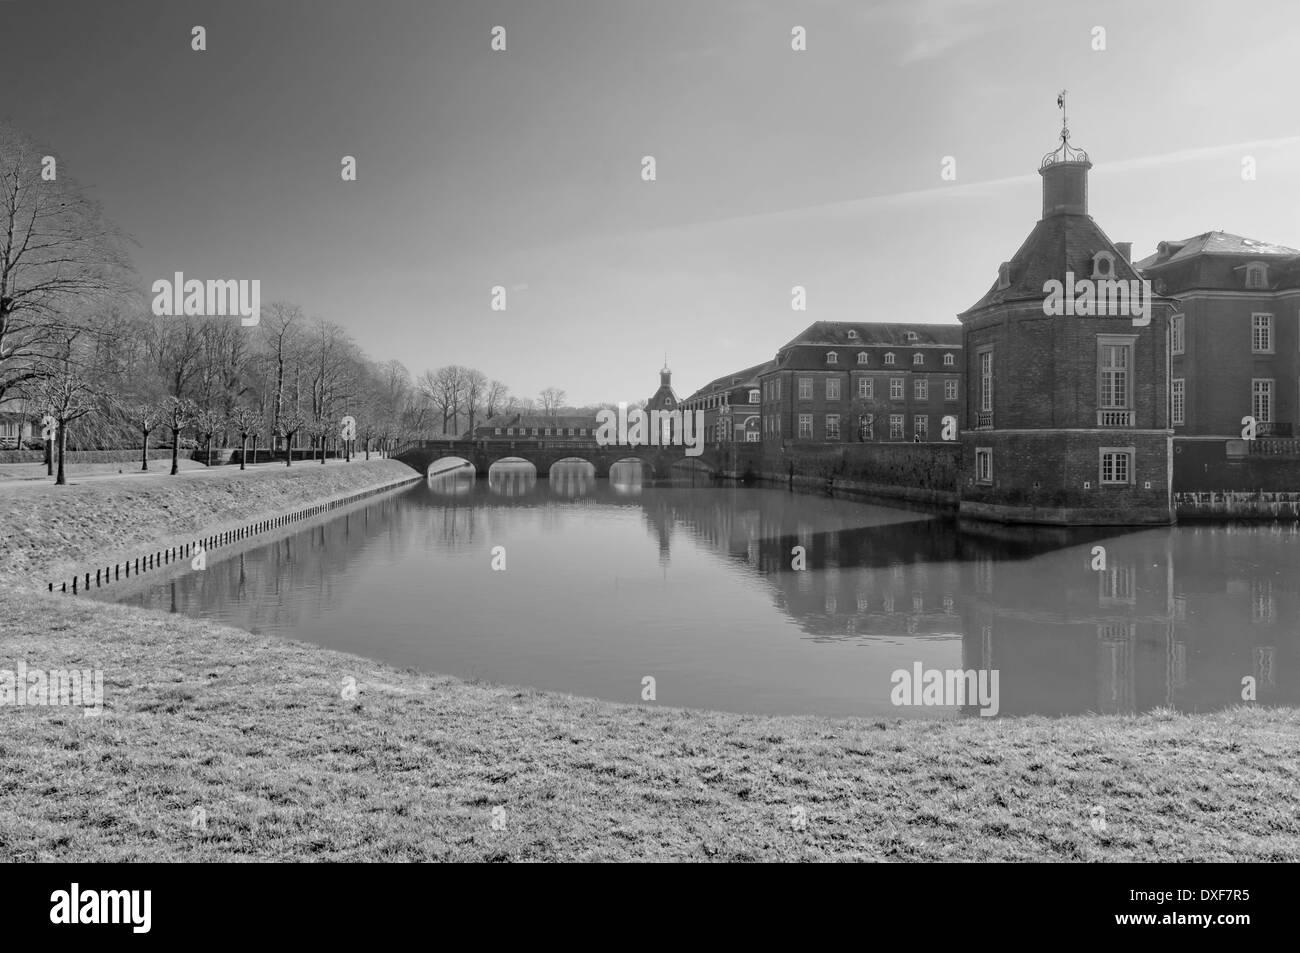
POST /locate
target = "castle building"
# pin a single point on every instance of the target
(851, 382)
(1234, 339)
(1067, 375)
(732, 406)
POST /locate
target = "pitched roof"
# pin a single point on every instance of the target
(747, 378)
(876, 332)
(1213, 243)
(1059, 243)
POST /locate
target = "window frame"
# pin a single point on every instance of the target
(1128, 453)
(984, 466)
(1255, 329)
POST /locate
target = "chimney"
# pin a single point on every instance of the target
(1126, 249)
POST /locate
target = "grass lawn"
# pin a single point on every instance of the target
(216, 744)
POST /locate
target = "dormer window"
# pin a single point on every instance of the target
(862, 357)
(1256, 275)
(1004, 275)
(1103, 265)
(918, 358)
(753, 396)
(949, 360)
(853, 335)
(913, 336)
(832, 358)
(889, 358)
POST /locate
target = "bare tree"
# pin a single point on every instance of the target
(475, 389)
(66, 396)
(288, 423)
(495, 398)
(146, 417)
(206, 424)
(58, 256)
(552, 399)
(245, 420)
(179, 413)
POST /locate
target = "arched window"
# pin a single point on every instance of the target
(949, 360)
(918, 358)
(832, 358)
(853, 335)
(889, 358)
(862, 357)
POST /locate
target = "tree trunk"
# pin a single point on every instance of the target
(176, 450)
(254, 449)
(288, 451)
(243, 451)
(61, 480)
(322, 450)
(144, 454)
(49, 457)
(209, 449)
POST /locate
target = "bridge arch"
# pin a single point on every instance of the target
(445, 464)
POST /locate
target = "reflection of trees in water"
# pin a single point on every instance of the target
(272, 586)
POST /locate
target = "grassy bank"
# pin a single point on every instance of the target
(54, 532)
(216, 744)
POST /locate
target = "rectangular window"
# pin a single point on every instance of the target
(921, 427)
(1115, 360)
(1261, 400)
(895, 426)
(867, 427)
(950, 389)
(832, 426)
(832, 388)
(1178, 402)
(986, 382)
(895, 388)
(805, 388)
(805, 426)
(1116, 466)
(751, 437)
(1176, 333)
(983, 464)
(1261, 341)
(865, 388)
(921, 388)
(510, 431)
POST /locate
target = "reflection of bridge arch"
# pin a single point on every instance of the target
(647, 467)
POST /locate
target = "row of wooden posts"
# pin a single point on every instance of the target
(164, 557)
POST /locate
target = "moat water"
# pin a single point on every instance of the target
(593, 587)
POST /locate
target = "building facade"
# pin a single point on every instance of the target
(847, 382)
(1067, 410)
(1234, 335)
(732, 406)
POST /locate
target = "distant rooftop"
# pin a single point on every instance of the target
(1214, 243)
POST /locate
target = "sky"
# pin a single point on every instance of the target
(522, 168)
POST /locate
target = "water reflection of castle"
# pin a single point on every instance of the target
(1177, 618)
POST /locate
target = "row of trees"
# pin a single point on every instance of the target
(79, 344)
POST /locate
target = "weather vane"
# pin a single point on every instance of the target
(1065, 122)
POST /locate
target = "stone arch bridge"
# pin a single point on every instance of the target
(657, 462)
